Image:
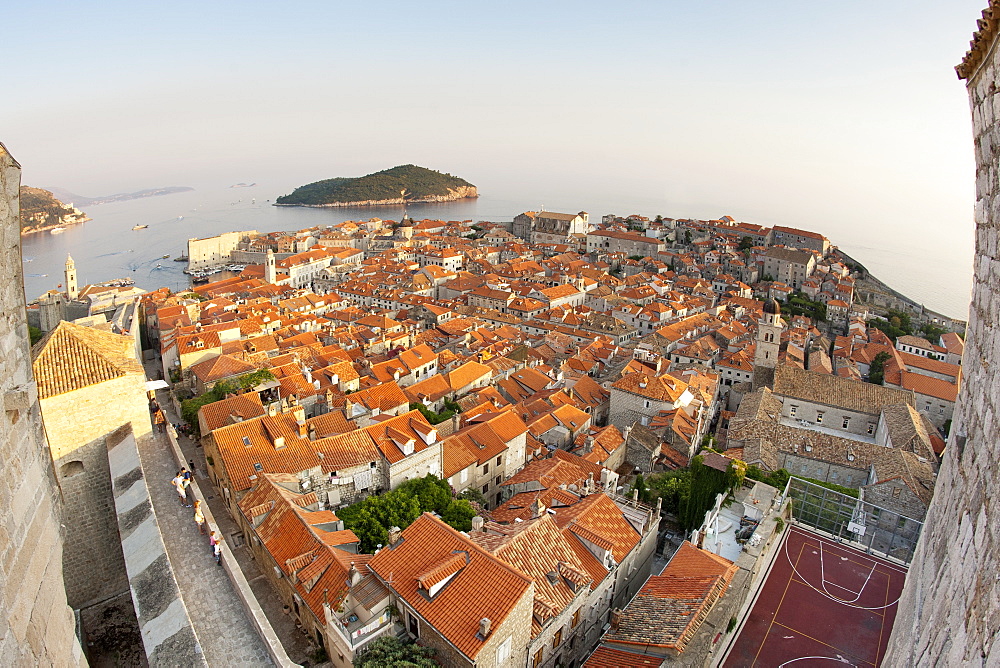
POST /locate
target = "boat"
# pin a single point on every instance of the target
(57, 230)
(139, 227)
(166, 257)
(199, 280)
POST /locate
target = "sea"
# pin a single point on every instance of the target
(107, 248)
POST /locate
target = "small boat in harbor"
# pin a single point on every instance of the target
(57, 230)
(139, 227)
(166, 257)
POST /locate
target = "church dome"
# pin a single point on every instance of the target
(772, 307)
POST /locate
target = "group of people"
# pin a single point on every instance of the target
(181, 482)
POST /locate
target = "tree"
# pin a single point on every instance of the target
(35, 334)
(746, 243)
(458, 515)
(671, 487)
(640, 485)
(432, 493)
(687, 237)
(876, 370)
(474, 495)
(390, 652)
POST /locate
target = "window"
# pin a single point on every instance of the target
(498, 481)
(847, 422)
(871, 429)
(503, 651)
(414, 626)
(895, 493)
(557, 639)
(819, 417)
(486, 488)
(648, 403)
(486, 469)
(536, 660)
(498, 460)
(576, 619)
(792, 410)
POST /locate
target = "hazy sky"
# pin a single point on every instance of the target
(790, 112)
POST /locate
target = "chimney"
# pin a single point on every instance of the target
(303, 430)
(477, 523)
(455, 421)
(312, 432)
(353, 575)
(484, 628)
(537, 509)
(588, 447)
(616, 620)
(395, 533)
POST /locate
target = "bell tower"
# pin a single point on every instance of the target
(71, 289)
(768, 336)
(270, 271)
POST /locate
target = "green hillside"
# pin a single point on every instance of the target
(418, 182)
(40, 210)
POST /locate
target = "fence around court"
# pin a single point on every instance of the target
(874, 529)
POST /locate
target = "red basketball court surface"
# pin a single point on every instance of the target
(823, 604)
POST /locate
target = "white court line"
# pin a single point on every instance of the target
(854, 551)
(823, 580)
(837, 659)
(822, 592)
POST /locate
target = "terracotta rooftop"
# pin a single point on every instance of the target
(71, 357)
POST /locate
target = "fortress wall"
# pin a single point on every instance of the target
(949, 613)
(36, 625)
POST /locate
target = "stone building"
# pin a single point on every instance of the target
(37, 626)
(788, 266)
(803, 239)
(630, 243)
(215, 251)
(949, 612)
(89, 385)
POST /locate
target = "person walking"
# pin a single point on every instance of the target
(160, 420)
(214, 543)
(199, 517)
(181, 486)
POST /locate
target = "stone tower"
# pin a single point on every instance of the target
(51, 310)
(270, 270)
(71, 290)
(768, 336)
(949, 612)
(36, 626)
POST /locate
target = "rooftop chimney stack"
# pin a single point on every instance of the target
(477, 523)
(484, 628)
(395, 533)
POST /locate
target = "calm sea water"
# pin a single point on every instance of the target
(107, 248)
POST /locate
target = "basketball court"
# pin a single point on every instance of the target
(823, 603)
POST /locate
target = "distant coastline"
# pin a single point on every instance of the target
(80, 200)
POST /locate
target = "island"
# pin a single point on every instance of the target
(399, 185)
(118, 197)
(42, 212)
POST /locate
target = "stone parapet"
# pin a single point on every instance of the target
(167, 632)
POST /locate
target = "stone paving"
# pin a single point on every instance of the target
(226, 635)
(297, 645)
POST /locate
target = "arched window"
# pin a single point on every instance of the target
(71, 469)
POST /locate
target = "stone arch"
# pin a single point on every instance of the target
(70, 469)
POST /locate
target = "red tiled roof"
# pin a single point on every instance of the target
(486, 588)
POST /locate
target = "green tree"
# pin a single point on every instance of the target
(671, 487)
(746, 243)
(432, 493)
(391, 652)
(474, 495)
(458, 515)
(876, 370)
(35, 334)
(640, 485)
(687, 237)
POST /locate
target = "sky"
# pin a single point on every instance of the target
(840, 117)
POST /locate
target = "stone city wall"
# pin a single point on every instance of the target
(36, 624)
(949, 612)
